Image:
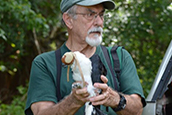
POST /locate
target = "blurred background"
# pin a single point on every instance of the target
(31, 27)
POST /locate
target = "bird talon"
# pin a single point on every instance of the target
(76, 85)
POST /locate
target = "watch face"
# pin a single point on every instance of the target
(123, 107)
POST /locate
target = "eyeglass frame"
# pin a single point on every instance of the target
(92, 15)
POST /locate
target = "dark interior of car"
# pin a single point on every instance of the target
(168, 106)
(164, 105)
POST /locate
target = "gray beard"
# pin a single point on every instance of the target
(94, 41)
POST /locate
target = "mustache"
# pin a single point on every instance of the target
(96, 29)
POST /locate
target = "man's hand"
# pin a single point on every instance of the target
(80, 95)
(107, 96)
(111, 98)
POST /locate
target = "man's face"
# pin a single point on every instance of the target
(89, 23)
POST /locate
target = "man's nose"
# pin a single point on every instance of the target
(98, 20)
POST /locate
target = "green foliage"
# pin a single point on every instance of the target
(144, 28)
(17, 105)
(17, 19)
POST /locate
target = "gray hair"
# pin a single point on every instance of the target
(71, 12)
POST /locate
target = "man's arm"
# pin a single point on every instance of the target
(67, 106)
(111, 98)
(134, 105)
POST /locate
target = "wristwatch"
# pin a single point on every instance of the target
(122, 103)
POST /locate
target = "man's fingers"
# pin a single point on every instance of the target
(81, 91)
(100, 99)
(101, 86)
(104, 79)
(81, 95)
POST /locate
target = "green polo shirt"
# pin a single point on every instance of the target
(43, 83)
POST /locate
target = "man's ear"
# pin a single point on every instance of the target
(68, 20)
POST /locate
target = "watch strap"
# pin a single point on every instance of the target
(121, 105)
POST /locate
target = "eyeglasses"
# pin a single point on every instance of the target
(93, 15)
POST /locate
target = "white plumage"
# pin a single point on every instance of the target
(86, 68)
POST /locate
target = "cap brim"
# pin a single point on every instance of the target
(108, 4)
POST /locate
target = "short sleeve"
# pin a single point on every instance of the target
(129, 80)
(42, 84)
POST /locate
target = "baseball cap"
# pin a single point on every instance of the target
(66, 4)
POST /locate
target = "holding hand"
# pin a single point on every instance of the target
(108, 97)
(79, 94)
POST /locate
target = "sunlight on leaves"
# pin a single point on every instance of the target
(170, 7)
(3, 68)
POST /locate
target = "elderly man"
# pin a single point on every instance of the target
(84, 21)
